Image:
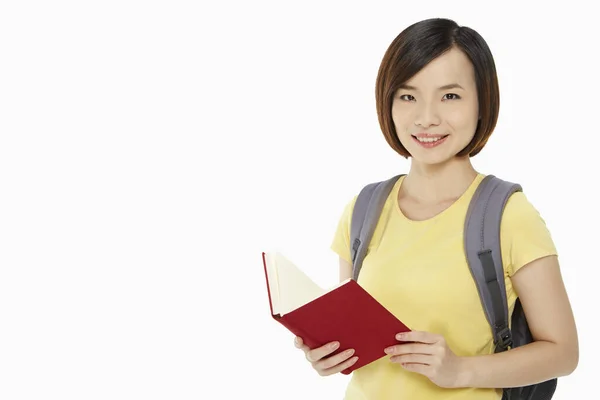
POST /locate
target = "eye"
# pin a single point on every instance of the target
(407, 97)
(456, 97)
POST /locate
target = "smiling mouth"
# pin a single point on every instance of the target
(429, 139)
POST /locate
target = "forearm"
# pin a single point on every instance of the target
(526, 365)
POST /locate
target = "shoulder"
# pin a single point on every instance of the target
(519, 211)
(517, 205)
(348, 210)
(367, 190)
(520, 214)
(363, 197)
(524, 233)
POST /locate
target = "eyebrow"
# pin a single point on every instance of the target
(445, 87)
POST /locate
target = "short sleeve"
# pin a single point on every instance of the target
(524, 234)
(341, 238)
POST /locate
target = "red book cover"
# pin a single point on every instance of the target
(347, 314)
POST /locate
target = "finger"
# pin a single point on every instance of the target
(315, 355)
(300, 344)
(413, 359)
(410, 348)
(418, 368)
(332, 361)
(339, 367)
(418, 336)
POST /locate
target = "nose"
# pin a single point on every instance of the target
(427, 115)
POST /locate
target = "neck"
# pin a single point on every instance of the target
(431, 184)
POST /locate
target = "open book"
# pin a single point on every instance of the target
(346, 312)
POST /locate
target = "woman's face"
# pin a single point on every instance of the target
(436, 112)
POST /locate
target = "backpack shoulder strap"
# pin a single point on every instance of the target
(365, 216)
(482, 249)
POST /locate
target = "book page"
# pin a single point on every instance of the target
(272, 282)
(295, 288)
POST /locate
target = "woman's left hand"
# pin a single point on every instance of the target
(429, 355)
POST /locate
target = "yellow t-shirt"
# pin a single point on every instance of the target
(418, 270)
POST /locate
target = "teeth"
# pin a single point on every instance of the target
(428, 140)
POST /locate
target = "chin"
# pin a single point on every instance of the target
(430, 156)
(443, 154)
(432, 161)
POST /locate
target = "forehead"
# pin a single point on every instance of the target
(451, 67)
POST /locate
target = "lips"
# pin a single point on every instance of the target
(429, 135)
(429, 140)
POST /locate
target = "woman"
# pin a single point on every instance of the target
(438, 101)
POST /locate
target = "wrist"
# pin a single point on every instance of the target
(465, 372)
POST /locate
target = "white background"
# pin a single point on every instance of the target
(149, 151)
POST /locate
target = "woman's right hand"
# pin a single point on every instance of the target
(327, 365)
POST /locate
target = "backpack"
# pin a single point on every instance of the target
(482, 250)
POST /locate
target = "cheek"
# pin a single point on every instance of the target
(401, 121)
(461, 121)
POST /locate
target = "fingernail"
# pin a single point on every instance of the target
(389, 350)
(400, 336)
(349, 352)
(334, 345)
(355, 359)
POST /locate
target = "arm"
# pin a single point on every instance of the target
(555, 350)
(553, 353)
(529, 256)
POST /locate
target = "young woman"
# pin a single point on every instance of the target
(437, 102)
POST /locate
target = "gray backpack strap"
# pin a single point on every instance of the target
(482, 248)
(365, 216)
